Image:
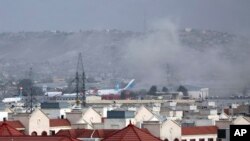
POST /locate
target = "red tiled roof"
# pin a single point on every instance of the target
(15, 124)
(104, 133)
(86, 133)
(37, 138)
(226, 111)
(131, 133)
(199, 130)
(7, 130)
(59, 122)
(73, 133)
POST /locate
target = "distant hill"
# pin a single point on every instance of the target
(105, 53)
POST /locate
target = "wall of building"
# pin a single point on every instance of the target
(56, 129)
(197, 137)
(170, 130)
(3, 115)
(75, 117)
(143, 114)
(240, 120)
(38, 122)
(153, 128)
(24, 119)
(118, 123)
(91, 116)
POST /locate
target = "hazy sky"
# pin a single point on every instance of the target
(73, 15)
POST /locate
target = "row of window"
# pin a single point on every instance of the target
(44, 133)
(209, 139)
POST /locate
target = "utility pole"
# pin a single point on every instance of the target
(31, 91)
(83, 89)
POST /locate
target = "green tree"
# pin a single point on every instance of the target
(165, 89)
(152, 90)
(183, 89)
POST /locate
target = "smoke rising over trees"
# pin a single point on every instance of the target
(162, 56)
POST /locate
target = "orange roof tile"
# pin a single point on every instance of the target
(73, 133)
(15, 124)
(7, 130)
(59, 122)
(131, 133)
(199, 130)
(86, 133)
(37, 138)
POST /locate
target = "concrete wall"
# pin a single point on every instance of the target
(3, 114)
(91, 116)
(118, 123)
(56, 129)
(153, 128)
(75, 117)
(143, 114)
(166, 130)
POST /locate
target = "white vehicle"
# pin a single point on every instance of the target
(15, 99)
(12, 99)
(53, 94)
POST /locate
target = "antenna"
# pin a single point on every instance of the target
(144, 20)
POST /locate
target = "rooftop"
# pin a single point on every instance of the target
(36, 138)
(131, 133)
(15, 124)
(59, 122)
(7, 130)
(86, 133)
(199, 130)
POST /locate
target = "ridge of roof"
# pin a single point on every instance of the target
(135, 132)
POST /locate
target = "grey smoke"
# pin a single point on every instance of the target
(159, 58)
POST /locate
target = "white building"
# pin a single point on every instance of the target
(119, 119)
(84, 118)
(167, 130)
(36, 123)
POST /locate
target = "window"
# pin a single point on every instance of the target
(44, 133)
(166, 140)
(34, 133)
(192, 139)
(221, 133)
(176, 139)
(210, 139)
(201, 139)
(183, 140)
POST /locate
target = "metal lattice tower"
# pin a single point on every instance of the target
(80, 81)
(31, 90)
